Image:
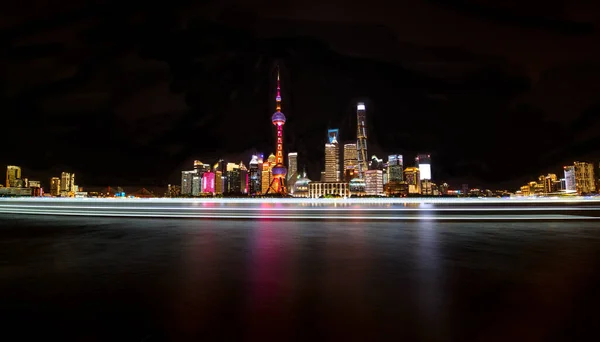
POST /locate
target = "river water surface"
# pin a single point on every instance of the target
(99, 279)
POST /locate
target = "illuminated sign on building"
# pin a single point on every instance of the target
(332, 135)
(208, 182)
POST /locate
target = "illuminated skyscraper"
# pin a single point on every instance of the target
(374, 182)
(278, 172)
(234, 180)
(292, 165)
(187, 182)
(67, 184)
(570, 184)
(361, 138)
(350, 157)
(412, 178)
(332, 157)
(423, 162)
(55, 186)
(584, 178)
(394, 168)
(255, 176)
(208, 182)
(13, 176)
(266, 173)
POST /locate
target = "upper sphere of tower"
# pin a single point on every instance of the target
(278, 118)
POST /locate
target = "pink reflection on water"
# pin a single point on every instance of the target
(271, 282)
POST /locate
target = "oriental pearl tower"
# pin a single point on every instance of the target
(279, 171)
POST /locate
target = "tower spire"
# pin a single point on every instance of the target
(278, 97)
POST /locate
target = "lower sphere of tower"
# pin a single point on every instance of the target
(278, 118)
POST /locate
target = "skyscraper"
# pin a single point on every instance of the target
(332, 155)
(266, 175)
(394, 168)
(412, 178)
(55, 186)
(292, 165)
(234, 180)
(423, 162)
(187, 181)
(255, 176)
(279, 171)
(584, 178)
(374, 182)
(361, 138)
(13, 176)
(350, 157)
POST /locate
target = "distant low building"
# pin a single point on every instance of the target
(324, 189)
(15, 192)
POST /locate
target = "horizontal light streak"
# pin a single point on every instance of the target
(308, 200)
(304, 217)
(490, 209)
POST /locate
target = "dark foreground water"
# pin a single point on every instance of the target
(99, 279)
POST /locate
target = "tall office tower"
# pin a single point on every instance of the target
(72, 186)
(55, 186)
(584, 178)
(423, 162)
(332, 157)
(361, 139)
(394, 169)
(234, 181)
(208, 182)
(374, 182)
(13, 176)
(279, 171)
(549, 183)
(292, 165)
(196, 184)
(350, 157)
(266, 173)
(187, 182)
(412, 178)
(65, 182)
(254, 187)
(243, 178)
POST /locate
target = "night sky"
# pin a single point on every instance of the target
(122, 94)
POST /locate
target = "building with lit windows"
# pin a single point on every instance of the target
(326, 189)
(67, 184)
(570, 185)
(361, 138)
(357, 187)
(13, 176)
(292, 165)
(254, 186)
(350, 157)
(584, 178)
(550, 183)
(234, 180)
(374, 182)
(267, 173)
(423, 163)
(412, 179)
(394, 168)
(187, 181)
(55, 186)
(301, 188)
(332, 161)
(208, 182)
